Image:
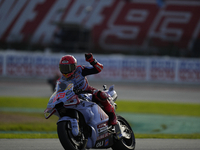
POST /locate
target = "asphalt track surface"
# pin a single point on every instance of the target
(126, 91)
(141, 144)
(186, 93)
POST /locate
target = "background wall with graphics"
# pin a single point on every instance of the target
(145, 27)
(116, 67)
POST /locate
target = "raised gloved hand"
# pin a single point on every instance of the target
(89, 58)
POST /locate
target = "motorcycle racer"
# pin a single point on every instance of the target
(77, 75)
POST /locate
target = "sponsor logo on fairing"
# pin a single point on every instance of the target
(103, 136)
(100, 144)
(106, 142)
(102, 127)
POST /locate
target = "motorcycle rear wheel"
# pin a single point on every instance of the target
(126, 143)
(66, 137)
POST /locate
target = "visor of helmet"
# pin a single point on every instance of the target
(67, 68)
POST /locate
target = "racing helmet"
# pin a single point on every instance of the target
(67, 65)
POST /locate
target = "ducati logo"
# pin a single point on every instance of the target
(100, 144)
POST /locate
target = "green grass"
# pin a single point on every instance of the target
(162, 108)
(123, 106)
(29, 127)
(24, 102)
(27, 122)
(32, 122)
(27, 136)
(50, 135)
(169, 136)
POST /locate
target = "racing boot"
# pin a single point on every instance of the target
(109, 109)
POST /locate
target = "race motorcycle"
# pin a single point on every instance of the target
(83, 124)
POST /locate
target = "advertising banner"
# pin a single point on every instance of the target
(112, 68)
(46, 66)
(19, 65)
(162, 69)
(1, 65)
(116, 67)
(134, 68)
(189, 70)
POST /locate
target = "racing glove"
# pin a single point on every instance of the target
(89, 58)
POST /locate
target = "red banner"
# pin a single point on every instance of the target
(115, 24)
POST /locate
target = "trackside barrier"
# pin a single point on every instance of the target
(116, 67)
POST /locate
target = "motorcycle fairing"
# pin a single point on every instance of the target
(72, 101)
(49, 112)
(64, 93)
(104, 142)
(94, 116)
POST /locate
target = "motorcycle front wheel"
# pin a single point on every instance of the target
(66, 137)
(128, 140)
